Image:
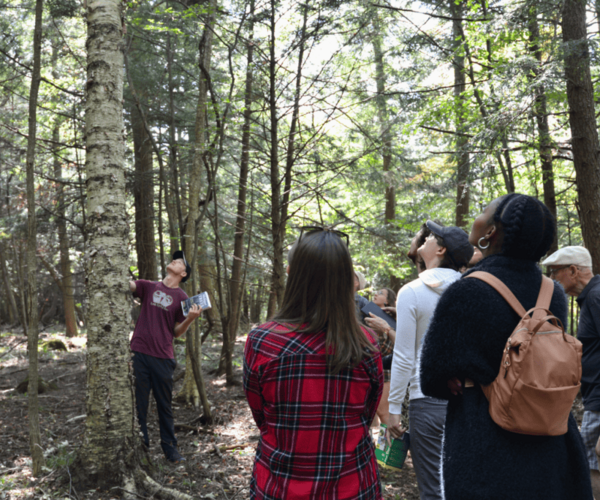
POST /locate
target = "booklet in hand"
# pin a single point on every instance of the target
(377, 311)
(202, 300)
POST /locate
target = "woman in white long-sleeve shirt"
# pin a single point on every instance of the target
(444, 252)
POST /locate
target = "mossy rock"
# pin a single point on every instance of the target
(43, 386)
(55, 345)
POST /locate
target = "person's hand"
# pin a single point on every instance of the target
(394, 429)
(389, 310)
(377, 324)
(455, 386)
(194, 311)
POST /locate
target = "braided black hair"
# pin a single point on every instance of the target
(528, 226)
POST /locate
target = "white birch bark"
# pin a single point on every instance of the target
(110, 424)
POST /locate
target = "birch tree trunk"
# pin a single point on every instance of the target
(111, 440)
(584, 131)
(36, 450)
(111, 453)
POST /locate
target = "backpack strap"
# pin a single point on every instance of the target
(502, 289)
(544, 298)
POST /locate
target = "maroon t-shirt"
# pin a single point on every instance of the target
(161, 309)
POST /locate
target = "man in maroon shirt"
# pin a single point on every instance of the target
(161, 319)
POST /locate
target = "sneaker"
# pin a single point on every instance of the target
(175, 458)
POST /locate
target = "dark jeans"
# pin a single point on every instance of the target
(156, 374)
(427, 417)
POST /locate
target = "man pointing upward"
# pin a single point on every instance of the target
(161, 319)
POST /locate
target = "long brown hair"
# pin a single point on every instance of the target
(391, 297)
(319, 296)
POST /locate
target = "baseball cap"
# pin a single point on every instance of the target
(456, 241)
(567, 256)
(188, 270)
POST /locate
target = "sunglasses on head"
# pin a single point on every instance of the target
(314, 229)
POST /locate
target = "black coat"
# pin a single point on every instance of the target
(466, 338)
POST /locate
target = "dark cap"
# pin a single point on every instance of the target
(188, 270)
(456, 241)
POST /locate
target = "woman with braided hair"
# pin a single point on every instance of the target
(465, 340)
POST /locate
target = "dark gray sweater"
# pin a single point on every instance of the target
(466, 337)
(589, 335)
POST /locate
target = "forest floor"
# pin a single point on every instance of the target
(219, 457)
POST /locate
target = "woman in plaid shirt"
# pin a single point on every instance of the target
(313, 379)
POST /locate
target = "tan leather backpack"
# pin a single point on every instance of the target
(540, 371)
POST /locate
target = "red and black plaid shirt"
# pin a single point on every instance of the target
(314, 427)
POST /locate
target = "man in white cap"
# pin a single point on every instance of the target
(572, 268)
(359, 283)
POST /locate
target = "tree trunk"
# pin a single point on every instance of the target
(386, 140)
(66, 287)
(161, 196)
(462, 158)
(291, 143)
(277, 277)
(16, 317)
(584, 132)
(245, 306)
(238, 247)
(189, 393)
(507, 170)
(540, 110)
(13, 310)
(18, 260)
(143, 193)
(37, 453)
(111, 440)
(382, 113)
(190, 239)
(256, 303)
(172, 202)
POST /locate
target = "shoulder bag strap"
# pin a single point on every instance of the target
(544, 298)
(502, 289)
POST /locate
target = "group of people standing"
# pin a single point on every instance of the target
(314, 379)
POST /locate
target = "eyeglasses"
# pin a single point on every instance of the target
(313, 229)
(554, 271)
